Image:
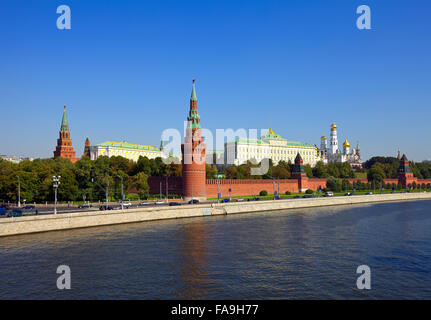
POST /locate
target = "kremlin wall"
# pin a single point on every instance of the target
(194, 185)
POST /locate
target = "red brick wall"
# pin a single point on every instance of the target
(175, 185)
(314, 184)
(249, 187)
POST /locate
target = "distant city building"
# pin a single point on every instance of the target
(15, 159)
(64, 147)
(333, 154)
(270, 146)
(124, 149)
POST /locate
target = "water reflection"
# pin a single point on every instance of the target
(307, 253)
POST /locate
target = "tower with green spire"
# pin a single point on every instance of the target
(64, 147)
(193, 154)
(193, 119)
(64, 123)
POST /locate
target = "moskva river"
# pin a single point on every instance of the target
(297, 254)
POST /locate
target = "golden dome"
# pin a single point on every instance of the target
(333, 126)
(323, 138)
(346, 144)
(271, 131)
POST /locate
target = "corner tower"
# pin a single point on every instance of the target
(193, 154)
(64, 147)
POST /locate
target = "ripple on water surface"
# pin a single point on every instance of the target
(296, 254)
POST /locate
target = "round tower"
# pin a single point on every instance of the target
(193, 154)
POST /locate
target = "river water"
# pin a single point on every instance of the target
(296, 254)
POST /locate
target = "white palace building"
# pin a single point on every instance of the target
(127, 150)
(270, 146)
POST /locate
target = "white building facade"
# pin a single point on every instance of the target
(335, 154)
(127, 150)
(270, 146)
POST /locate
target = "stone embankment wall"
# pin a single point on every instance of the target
(33, 224)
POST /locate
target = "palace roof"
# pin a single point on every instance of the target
(126, 145)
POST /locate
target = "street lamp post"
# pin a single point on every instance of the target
(167, 190)
(122, 194)
(19, 192)
(56, 183)
(106, 191)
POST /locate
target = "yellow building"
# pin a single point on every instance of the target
(124, 149)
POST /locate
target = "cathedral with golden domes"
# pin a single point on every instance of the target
(333, 153)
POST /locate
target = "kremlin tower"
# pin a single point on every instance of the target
(86, 148)
(193, 155)
(64, 147)
(405, 173)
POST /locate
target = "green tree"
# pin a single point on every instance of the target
(140, 182)
(333, 184)
(320, 170)
(376, 174)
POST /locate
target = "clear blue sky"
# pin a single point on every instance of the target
(125, 68)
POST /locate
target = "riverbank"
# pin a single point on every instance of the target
(34, 224)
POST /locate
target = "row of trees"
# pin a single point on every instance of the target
(283, 170)
(87, 179)
(338, 185)
(83, 180)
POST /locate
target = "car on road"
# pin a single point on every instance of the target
(85, 206)
(159, 202)
(226, 200)
(347, 194)
(368, 193)
(145, 203)
(308, 196)
(253, 199)
(126, 205)
(105, 207)
(328, 194)
(171, 204)
(194, 201)
(296, 196)
(239, 200)
(29, 207)
(2, 211)
(15, 213)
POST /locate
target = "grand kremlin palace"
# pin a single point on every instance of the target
(270, 146)
(124, 149)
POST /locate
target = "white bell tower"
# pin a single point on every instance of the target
(334, 139)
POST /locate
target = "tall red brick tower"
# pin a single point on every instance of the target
(86, 148)
(298, 173)
(193, 155)
(405, 173)
(64, 147)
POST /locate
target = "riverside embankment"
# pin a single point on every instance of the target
(34, 224)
